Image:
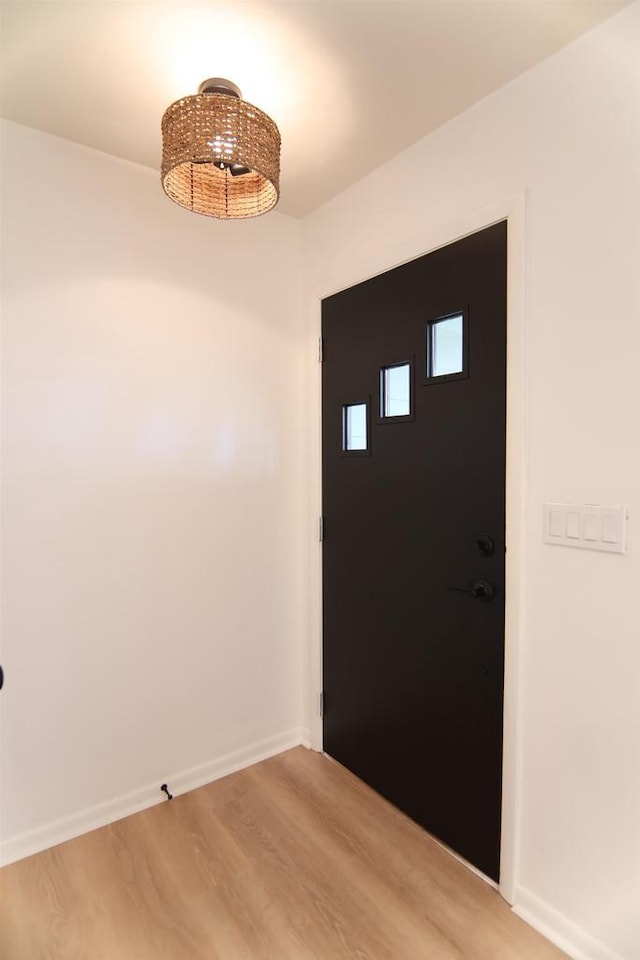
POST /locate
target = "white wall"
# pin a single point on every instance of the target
(152, 490)
(567, 135)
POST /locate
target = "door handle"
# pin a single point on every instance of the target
(480, 590)
(485, 545)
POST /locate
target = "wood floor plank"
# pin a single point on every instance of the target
(292, 859)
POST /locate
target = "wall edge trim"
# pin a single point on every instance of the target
(305, 737)
(559, 929)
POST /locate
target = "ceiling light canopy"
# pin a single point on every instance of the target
(220, 154)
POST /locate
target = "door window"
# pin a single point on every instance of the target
(355, 433)
(447, 347)
(395, 391)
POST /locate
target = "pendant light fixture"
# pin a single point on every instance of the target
(220, 154)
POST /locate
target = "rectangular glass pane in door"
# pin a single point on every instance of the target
(446, 347)
(395, 390)
(354, 426)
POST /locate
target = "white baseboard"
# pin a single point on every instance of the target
(305, 737)
(557, 928)
(51, 834)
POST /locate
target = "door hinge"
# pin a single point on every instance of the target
(320, 349)
(321, 703)
(321, 529)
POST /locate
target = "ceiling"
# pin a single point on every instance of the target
(350, 83)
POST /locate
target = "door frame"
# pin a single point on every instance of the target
(512, 209)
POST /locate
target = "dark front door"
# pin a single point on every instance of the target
(413, 412)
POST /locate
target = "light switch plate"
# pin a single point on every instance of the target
(586, 526)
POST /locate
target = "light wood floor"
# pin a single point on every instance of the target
(292, 859)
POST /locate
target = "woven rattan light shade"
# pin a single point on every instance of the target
(220, 156)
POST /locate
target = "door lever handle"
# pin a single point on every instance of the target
(480, 590)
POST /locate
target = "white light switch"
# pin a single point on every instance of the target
(573, 525)
(591, 526)
(587, 526)
(610, 529)
(557, 523)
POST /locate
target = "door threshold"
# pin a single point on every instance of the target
(465, 863)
